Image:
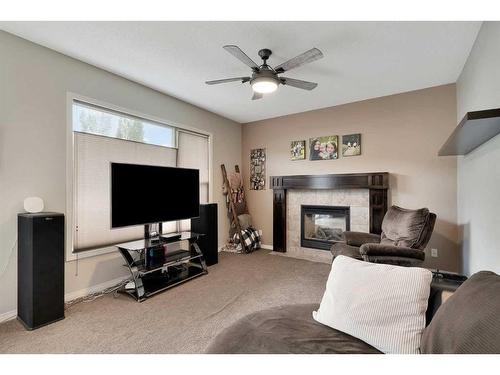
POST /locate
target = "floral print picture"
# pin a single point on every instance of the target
(298, 150)
(258, 169)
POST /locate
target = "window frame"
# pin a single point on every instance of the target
(71, 97)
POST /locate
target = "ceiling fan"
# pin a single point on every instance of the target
(265, 79)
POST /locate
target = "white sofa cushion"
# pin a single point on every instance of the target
(381, 304)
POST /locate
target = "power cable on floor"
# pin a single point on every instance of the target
(93, 296)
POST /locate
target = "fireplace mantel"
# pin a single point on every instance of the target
(376, 183)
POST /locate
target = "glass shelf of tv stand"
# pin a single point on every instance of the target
(142, 244)
(177, 267)
(173, 259)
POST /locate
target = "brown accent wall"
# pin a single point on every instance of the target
(401, 134)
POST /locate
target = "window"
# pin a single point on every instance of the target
(102, 136)
(100, 121)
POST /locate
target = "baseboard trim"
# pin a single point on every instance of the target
(9, 315)
(93, 289)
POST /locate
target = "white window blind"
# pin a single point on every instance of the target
(193, 152)
(102, 136)
(93, 155)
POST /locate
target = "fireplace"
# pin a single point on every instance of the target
(376, 184)
(320, 226)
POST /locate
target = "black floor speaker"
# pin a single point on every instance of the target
(40, 269)
(207, 224)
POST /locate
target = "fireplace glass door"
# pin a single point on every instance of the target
(321, 226)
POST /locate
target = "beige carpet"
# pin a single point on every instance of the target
(181, 320)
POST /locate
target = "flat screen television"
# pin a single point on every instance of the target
(145, 194)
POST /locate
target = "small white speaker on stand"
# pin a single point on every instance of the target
(33, 204)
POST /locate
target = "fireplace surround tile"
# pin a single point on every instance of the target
(356, 199)
(360, 215)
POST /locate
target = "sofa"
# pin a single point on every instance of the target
(405, 233)
(467, 322)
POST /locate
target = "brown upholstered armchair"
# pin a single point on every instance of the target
(405, 233)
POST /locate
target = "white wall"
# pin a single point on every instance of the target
(478, 88)
(34, 82)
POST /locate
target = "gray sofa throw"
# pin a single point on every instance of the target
(469, 322)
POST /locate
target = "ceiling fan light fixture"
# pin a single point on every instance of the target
(264, 85)
(265, 79)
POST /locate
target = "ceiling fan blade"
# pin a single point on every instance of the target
(309, 56)
(240, 55)
(217, 81)
(257, 95)
(305, 85)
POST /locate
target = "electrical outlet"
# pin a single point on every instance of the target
(260, 232)
(434, 253)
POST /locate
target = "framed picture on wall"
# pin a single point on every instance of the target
(351, 145)
(323, 148)
(258, 169)
(298, 150)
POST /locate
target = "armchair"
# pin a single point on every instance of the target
(405, 233)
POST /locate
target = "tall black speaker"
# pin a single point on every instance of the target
(207, 224)
(40, 268)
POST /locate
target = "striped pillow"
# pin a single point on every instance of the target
(380, 304)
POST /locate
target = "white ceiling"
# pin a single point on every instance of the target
(362, 59)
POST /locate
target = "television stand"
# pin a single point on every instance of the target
(155, 269)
